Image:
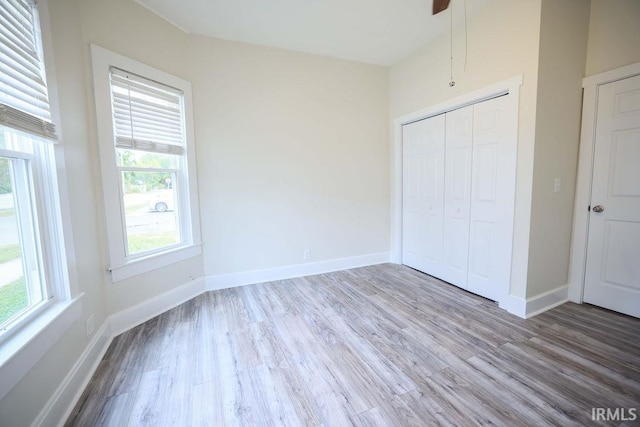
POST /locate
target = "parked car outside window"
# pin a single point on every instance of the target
(162, 201)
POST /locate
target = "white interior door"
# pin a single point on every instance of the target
(423, 194)
(612, 276)
(492, 198)
(457, 195)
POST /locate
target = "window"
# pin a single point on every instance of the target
(32, 261)
(36, 304)
(148, 167)
(149, 142)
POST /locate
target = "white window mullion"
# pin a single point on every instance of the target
(148, 146)
(28, 231)
(49, 223)
(154, 170)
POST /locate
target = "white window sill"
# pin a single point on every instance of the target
(20, 352)
(139, 266)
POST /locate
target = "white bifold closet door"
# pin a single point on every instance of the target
(458, 196)
(423, 195)
(493, 186)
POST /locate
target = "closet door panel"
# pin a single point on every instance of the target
(423, 194)
(457, 196)
(414, 224)
(492, 198)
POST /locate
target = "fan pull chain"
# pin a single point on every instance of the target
(466, 37)
(452, 83)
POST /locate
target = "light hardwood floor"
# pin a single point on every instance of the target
(381, 345)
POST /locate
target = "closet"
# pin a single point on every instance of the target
(458, 196)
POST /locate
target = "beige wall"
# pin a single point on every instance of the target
(292, 155)
(503, 42)
(292, 152)
(563, 48)
(614, 35)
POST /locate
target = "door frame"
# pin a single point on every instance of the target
(509, 87)
(580, 234)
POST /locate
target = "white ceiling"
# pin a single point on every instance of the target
(373, 31)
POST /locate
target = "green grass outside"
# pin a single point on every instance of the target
(7, 212)
(134, 208)
(9, 252)
(13, 298)
(144, 242)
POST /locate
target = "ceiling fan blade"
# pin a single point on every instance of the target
(440, 5)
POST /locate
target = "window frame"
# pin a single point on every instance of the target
(44, 216)
(124, 266)
(27, 198)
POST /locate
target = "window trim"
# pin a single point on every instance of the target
(121, 266)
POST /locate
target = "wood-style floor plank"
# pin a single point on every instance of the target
(375, 346)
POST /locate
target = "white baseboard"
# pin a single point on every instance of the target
(538, 304)
(58, 409)
(575, 292)
(515, 305)
(547, 300)
(126, 319)
(232, 280)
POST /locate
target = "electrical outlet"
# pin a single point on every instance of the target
(306, 254)
(556, 185)
(90, 326)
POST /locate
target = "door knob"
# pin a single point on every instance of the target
(598, 208)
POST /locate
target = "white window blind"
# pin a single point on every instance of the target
(147, 115)
(24, 102)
